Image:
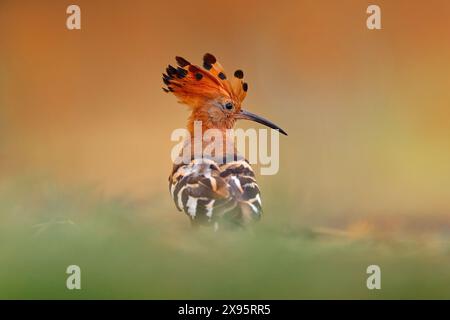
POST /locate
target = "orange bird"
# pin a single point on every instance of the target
(222, 188)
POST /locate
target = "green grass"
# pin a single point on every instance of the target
(147, 251)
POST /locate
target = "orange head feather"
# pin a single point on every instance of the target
(215, 100)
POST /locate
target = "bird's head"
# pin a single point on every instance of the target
(215, 99)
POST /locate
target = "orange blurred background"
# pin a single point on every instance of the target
(367, 112)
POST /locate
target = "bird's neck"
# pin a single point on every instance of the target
(205, 133)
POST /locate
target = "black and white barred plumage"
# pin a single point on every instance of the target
(211, 193)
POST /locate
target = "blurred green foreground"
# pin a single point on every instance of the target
(147, 251)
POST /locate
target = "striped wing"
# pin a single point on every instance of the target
(244, 191)
(207, 192)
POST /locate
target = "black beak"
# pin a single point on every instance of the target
(253, 117)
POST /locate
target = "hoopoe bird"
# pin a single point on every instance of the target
(220, 189)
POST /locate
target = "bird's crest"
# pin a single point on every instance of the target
(194, 85)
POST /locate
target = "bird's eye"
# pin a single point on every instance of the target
(229, 106)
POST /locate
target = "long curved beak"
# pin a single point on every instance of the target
(253, 117)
